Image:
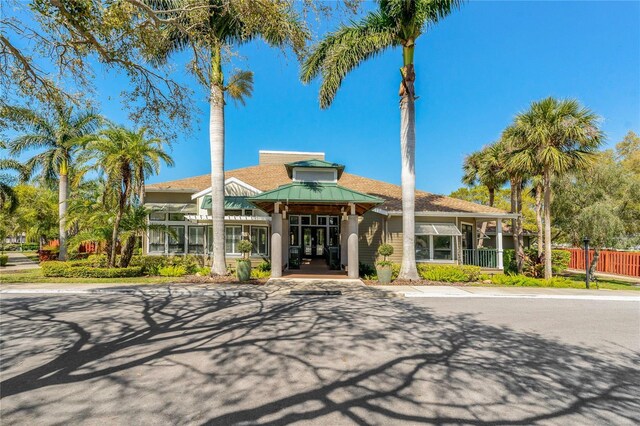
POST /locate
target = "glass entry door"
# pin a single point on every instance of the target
(313, 241)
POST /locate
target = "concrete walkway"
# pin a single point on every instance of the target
(513, 292)
(18, 262)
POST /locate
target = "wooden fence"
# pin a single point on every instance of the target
(614, 262)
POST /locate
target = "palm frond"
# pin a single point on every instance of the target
(240, 86)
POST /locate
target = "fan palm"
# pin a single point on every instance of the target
(555, 136)
(396, 23)
(209, 29)
(8, 197)
(126, 158)
(57, 136)
(485, 167)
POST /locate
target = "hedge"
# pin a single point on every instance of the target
(429, 272)
(82, 269)
(151, 265)
(449, 273)
(4, 259)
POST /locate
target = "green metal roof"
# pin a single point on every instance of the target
(230, 203)
(310, 192)
(315, 164)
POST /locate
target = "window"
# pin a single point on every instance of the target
(176, 241)
(314, 175)
(294, 220)
(196, 240)
(248, 212)
(259, 240)
(176, 217)
(157, 216)
(334, 221)
(233, 234)
(322, 220)
(305, 220)
(156, 241)
(334, 236)
(434, 247)
(209, 239)
(442, 245)
(423, 244)
(294, 239)
(233, 212)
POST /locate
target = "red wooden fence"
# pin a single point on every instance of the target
(614, 262)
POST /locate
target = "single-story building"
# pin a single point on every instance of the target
(298, 208)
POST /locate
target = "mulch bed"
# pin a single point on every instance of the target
(220, 279)
(420, 282)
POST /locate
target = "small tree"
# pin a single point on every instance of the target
(245, 247)
(385, 250)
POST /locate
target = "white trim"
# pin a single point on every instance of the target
(458, 214)
(237, 181)
(259, 219)
(290, 152)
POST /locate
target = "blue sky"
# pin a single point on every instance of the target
(475, 71)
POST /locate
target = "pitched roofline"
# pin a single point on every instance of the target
(232, 179)
(291, 152)
(454, 214)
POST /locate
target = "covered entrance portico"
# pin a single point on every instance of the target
(312, 223)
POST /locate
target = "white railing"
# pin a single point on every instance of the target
(485, 258)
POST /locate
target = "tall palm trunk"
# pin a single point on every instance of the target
(538, 210)
(130, 243)
(408, 270)
(125, 187)
(547, 223)
(216, 146)
(483, 227)
(514, 185)
(519, 230)
(63, 194)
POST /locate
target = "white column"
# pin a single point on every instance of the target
(285, 240)
(499, 242)
(353, 246)
(344, 237)
(276, 245)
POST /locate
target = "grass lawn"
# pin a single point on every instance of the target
(566, 281)
(35, 276)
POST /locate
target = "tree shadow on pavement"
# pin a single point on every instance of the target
(219, 361)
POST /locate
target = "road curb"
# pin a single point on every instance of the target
(417, 294)
(139, 292)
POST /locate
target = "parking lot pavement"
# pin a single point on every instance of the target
(185, 359)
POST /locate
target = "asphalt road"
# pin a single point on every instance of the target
(125, 359)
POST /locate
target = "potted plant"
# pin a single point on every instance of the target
(243, 269)
(384, 267)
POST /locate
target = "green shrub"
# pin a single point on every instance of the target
(532, 265)
(367, 271)
(151, 265)
(560, 260)
(4, 259)
(82, 269)
(172, 271)
(97, 260)
(259, 274)
(264, 266)
(524, 281)
(449, 273)
(204, 271)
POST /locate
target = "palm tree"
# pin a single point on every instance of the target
(126, 157)
(395, 23)
(210, 29)
(557, 136)
(8, 197)
(146, 155)
(485, 167)
(58, 135)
